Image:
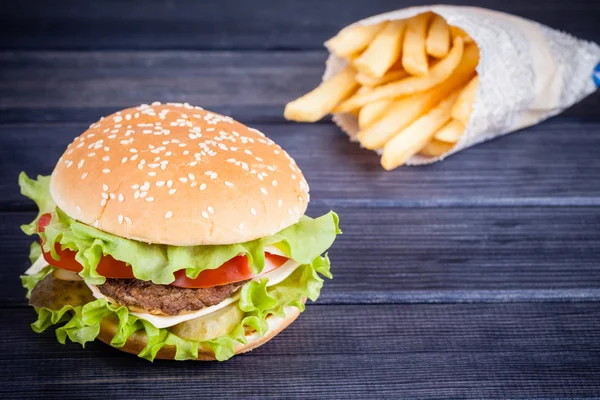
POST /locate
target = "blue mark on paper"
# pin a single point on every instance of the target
(596, 75)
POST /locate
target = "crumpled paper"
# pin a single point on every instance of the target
(528, 72)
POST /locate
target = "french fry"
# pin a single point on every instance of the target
(414, 58)
(438, 37)
(383, 51)
(413, 138)
(413, 84)
(463, 107)
(436, 148)
(457, 32)
(390, 76)
(371, 112)
(354, 39)
(451, 132)
(316, 104)
(406, 110)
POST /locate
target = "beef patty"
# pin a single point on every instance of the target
(143, 296)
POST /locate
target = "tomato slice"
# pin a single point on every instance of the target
(235, 270)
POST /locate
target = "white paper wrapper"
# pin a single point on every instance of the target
(528, 72)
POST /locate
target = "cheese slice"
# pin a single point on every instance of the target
(165, 321)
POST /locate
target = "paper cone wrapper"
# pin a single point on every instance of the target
(528, 72)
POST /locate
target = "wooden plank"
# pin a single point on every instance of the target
(81, 86)
(554, 163)
(410, 255)
(393, 351)
(230, 24)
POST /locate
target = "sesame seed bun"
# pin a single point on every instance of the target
(179, 175)
(137, 341)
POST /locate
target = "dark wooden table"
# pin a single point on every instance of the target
(475, 277)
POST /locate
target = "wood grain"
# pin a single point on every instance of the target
(554, 163)
(393, 351)
(250, 86)
(406, 255)
(230, 24)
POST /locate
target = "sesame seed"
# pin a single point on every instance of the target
(169, 183)
(279, 203)
(205, 214)
(203, 186)
(124, 160)
(143, 194)
(227, 183)
(194, 184)
(92, 154)
(105, 171)
(105, 187)
(112, 196)
(120, 219)
(160, 183)
(136, 195)
(294, 176)
(128, 220)
(253, 211)
(211, 210)
(300, 199)
(134, 157)
(83, 176)
(172, 191)
(151, 173)
(264, 190)
(241, 226)
(121, 197)
(213, 175)
(191, 176)
(259, 159)
(80, 163)
(103, 203)
(248, 152)
(150, 199)
(136, 186)
(168, 214)
(274, 183)
(184, 180)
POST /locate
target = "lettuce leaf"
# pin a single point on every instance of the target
(303, 242)
(81, 324)
(38, 191)
(35, 251)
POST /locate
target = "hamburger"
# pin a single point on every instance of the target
(172, 232)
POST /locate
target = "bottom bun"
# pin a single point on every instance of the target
(136, 342)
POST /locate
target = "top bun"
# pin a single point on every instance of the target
(179, 175)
